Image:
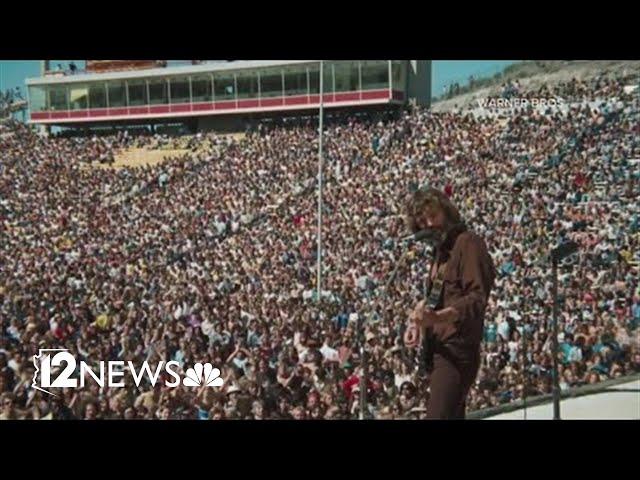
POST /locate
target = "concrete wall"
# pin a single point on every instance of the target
(221, 124)
(419, 82)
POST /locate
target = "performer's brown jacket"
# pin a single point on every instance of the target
(468, 278)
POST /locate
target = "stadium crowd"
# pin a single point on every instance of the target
(211, 257)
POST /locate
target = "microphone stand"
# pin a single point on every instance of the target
(525, 372)
(554, 341)
(557, 254)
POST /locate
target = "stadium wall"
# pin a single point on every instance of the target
(542, 399)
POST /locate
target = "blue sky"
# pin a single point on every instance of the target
(14, 72)
(445, 72)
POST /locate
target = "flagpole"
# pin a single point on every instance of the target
(319, 233)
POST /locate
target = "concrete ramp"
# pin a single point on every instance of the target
(619, 402)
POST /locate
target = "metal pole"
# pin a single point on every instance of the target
(319, 260)
(363, 374)
(554, 344)
(524, 368)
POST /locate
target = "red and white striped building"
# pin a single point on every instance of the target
(205, 94)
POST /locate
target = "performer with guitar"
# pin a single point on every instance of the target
(450, 320)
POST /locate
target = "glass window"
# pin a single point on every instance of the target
(271, 83)
(247, 82)
(58, 98)
(137, 93)
(117, 95)
(375, 74)
(314, 78)
(224, 85)
(158, 92)
(37, 99)
(295, 80)
(97, 96)
(201, 88)
(79, 97)
(180, 90)
(347, 76)
(398, 72)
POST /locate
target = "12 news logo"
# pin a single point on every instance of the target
(112, 373)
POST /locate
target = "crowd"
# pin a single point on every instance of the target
(575, 90)
(7, 100)
(211, 257)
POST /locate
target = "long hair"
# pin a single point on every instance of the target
(429, 198)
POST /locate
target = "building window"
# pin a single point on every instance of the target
(158, 92)
(180, 90)
(347, 77)
(314, 79)
(375, 74)
(224, 87)
(201, 88)
(37, 99)
(58, 98)
(79, 97)
(247, 82)
(271, 83)
(117, 94)
(137, 93)
(295, 81)
(97, 96)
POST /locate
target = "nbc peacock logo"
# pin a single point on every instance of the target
(202, 375)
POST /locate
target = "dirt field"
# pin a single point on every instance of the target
(136, 157)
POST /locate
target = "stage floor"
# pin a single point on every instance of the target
(620, 402)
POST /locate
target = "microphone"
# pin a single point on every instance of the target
(427, 235)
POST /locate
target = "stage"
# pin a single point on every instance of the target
(618, 402)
